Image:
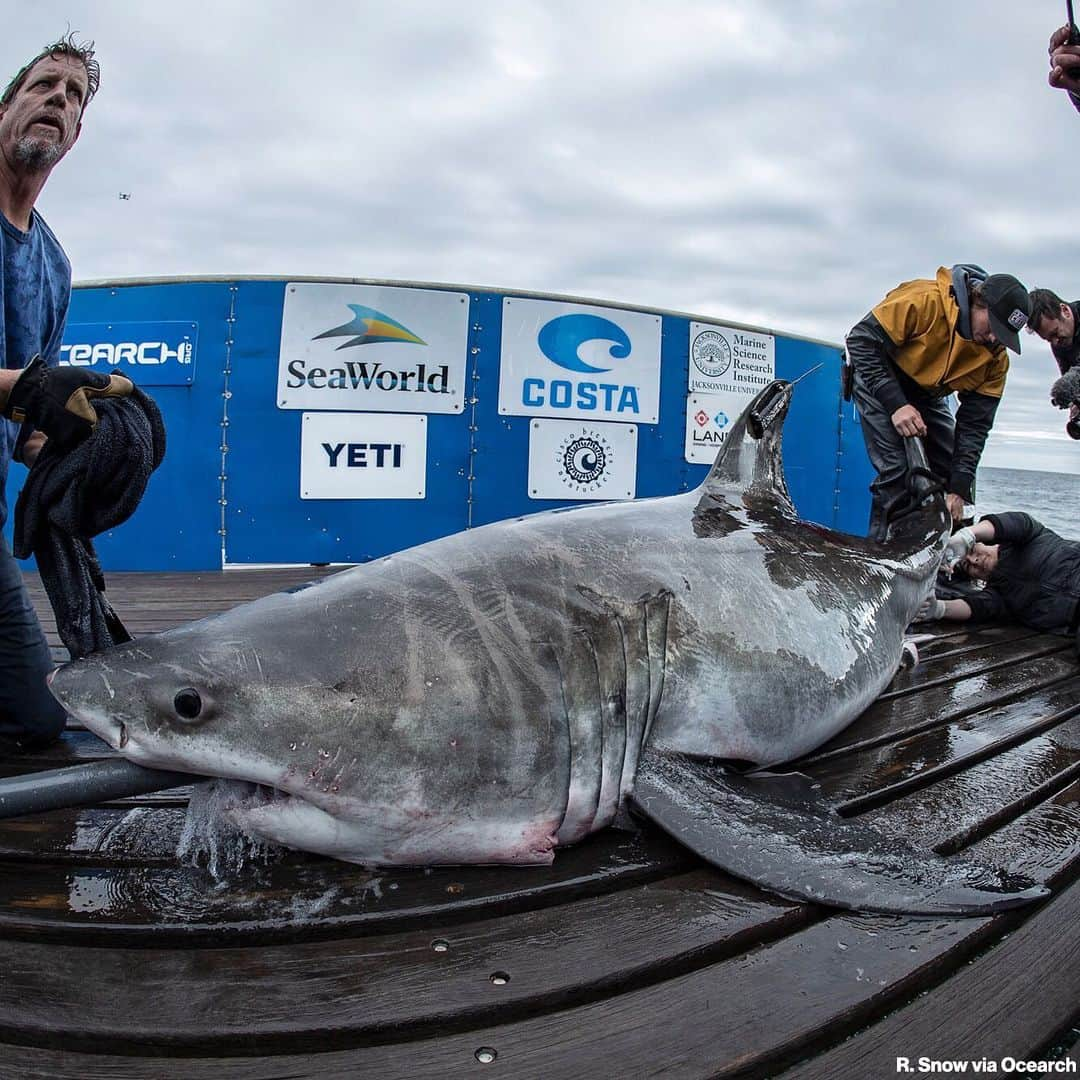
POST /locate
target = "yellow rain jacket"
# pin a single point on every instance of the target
(921, 319)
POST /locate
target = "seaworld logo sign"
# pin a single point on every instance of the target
(372, 348)
(566, 360)
(357, 375)
(369, 327)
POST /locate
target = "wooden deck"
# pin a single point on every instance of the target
(628, 957)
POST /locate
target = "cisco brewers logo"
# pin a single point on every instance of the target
(562, 341)
(584, 462)
(712, 354)
(369, 327)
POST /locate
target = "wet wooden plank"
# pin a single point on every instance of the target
(1043, 843)
(888, 770)
(306, 896)
(151, 602)
(75, 747)
(389, 987)
(960, 665)
(958, 642)
(98, 836)
(1009, 1002)
(887, 721)
(961, 802)
(602, 983)
(746, 1015)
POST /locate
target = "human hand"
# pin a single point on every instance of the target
(908, 421)
(32, 447)
(955, 505)
(57, 400)
(1064, 61)
(959, 547)
(930, 610)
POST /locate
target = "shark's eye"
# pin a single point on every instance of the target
(187, 704)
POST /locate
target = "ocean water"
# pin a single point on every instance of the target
(1052, 498)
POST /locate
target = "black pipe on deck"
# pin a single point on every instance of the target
(83, 785)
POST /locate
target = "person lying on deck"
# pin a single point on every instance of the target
(1032, 575)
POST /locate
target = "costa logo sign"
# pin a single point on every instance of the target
(568, 360)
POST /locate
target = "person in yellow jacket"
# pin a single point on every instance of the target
(926, 340)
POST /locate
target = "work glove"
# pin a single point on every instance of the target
(930, 610)
(57, 400)
(960, 544)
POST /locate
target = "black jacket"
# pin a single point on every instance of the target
(1037, 578)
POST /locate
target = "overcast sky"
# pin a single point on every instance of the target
(771, 162)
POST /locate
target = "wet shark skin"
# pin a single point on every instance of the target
(486, 697)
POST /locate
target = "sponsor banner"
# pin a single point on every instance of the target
(573, 460)
(569, 360)
(152, 353)
(372, 348)
(709, 417)
(362, 456)
(727, 361)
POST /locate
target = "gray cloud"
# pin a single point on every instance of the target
(764, 162)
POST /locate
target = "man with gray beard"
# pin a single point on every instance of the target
(41, 114)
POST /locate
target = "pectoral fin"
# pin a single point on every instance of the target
(778, 833)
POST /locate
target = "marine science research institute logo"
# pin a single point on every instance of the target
(712, 354)
(563, 340)
(369, 327)
(584, 461)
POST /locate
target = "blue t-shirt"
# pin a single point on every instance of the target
(35, 288)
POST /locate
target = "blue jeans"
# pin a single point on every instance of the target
(29, 714)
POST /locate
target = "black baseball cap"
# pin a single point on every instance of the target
(1009, 306)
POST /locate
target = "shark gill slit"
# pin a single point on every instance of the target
(612, 678)
(606, 642)
(581, 693)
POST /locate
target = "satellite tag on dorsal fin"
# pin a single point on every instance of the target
(751, 455)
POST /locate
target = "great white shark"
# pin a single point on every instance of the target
(491, 696)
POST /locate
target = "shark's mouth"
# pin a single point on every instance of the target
(214, 835)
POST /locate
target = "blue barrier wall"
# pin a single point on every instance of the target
(216, 357)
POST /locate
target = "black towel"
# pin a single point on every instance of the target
(72, 496)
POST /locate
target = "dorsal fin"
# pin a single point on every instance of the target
(751, 458)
